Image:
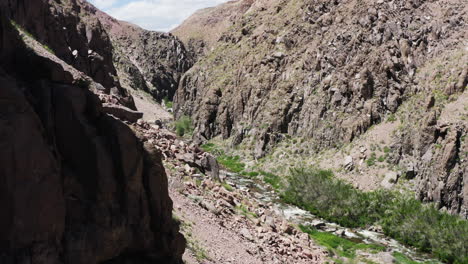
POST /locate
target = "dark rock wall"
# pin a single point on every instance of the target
(69, 29)
(150, 61)
(76, 185)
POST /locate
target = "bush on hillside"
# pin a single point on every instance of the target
(183, 126)
(402, 217)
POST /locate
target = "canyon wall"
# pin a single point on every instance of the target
(77, 184)
(328, 71)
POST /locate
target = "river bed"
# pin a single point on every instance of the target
(266, 195)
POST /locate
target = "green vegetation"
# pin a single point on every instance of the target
(339, 246)
(20, 29)
(232, 163)
(403, 218)
(386, 150)
(168, 103)
(381, 158)
(183, 126)
(198, 182)
(83, 83)
(250, 174)
(391, 118)
(227, 187)
(400, 258)
(272, 179)
(371, 161)
(213, 149)
(243, 210)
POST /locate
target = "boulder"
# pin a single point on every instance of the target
(209, 206)
(246, 234)
(390, 179)
(210, 165)
(122, 112)
(348, 163)
(318, 224)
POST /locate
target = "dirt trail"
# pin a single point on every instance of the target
(228, 226)
(220, 244)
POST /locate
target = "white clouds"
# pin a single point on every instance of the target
(161, 15)
(103, 4)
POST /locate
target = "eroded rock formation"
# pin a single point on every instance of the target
(76, 184)
(327, 71)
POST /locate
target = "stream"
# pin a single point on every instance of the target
(266, 195)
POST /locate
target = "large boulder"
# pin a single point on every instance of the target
(122, 112)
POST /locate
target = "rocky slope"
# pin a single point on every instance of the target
(327, 71)
(74, 35)
(146, 60)
(114, 53)
(77, 184)
(202, 30)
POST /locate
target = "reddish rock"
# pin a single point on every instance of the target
(76, 185)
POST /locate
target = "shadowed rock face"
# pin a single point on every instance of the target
(114, 53)
(144, 60)
(76, 185)
(69, 29)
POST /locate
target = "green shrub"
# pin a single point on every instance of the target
(208, 147)
(183, 126)
(402, 217)
(232, 163)
(243, 210)
(213, 149)
(318, 192)
(371, 161)
(381, 159)
(227, 187)
(168, 103)
(272, 179)
(391, 118)
(250, 174)
(337, 245)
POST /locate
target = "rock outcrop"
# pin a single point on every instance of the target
(146, 60)
(69, 29)
(77, 185)
(114, 53)
(201, 31)
(327, 71)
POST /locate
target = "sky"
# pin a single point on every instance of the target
(159, 15)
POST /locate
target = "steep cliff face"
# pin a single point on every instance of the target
(75, 36)
(77, 185)
(146, 60)
(114, 53)
(431, 143)
(327, 71)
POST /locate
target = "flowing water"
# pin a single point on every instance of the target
(266, 195)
